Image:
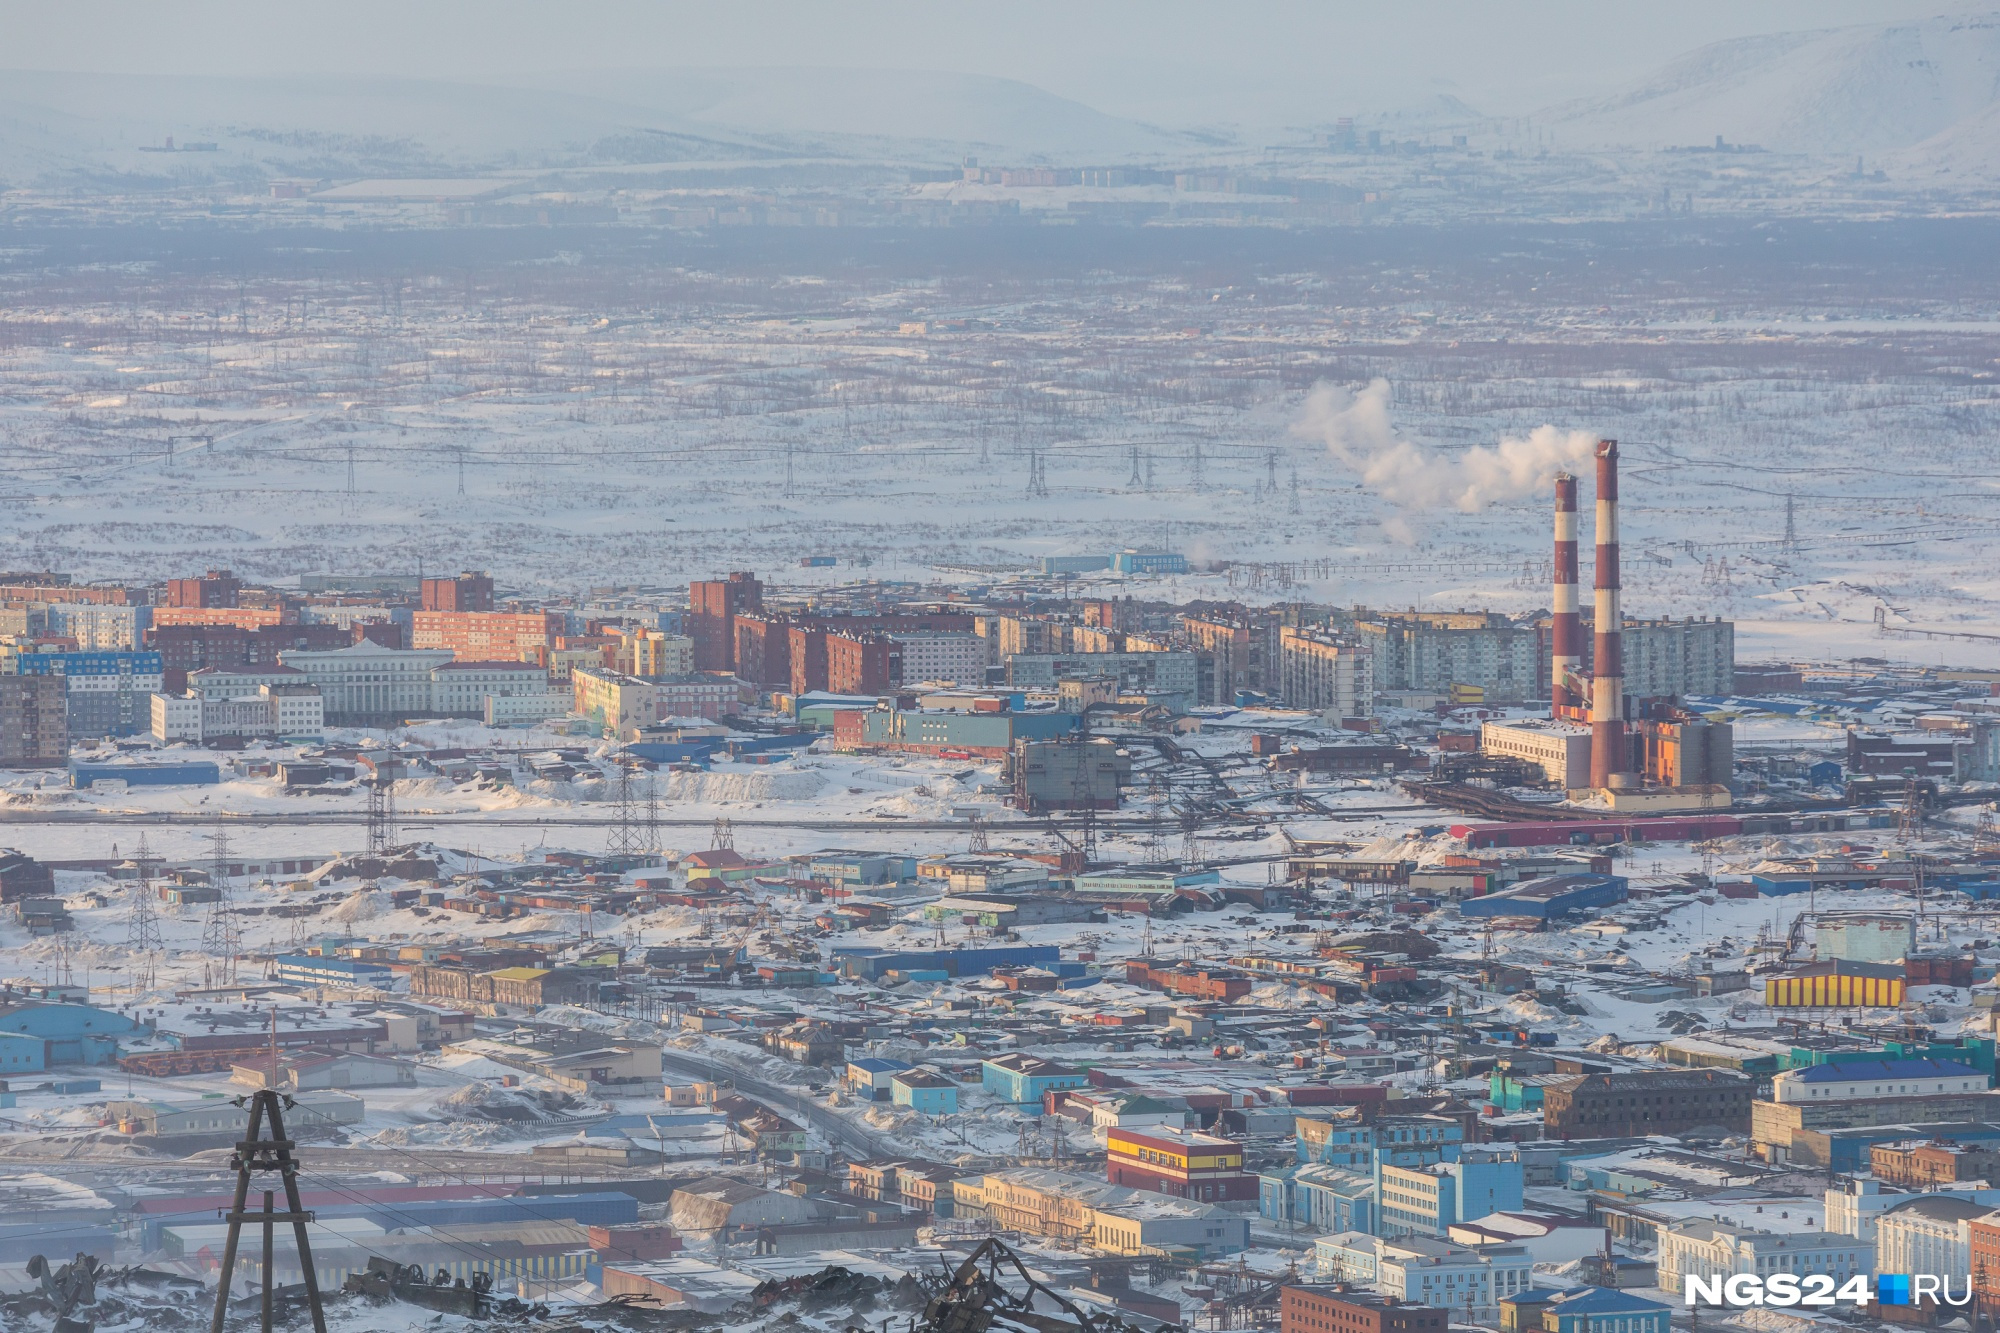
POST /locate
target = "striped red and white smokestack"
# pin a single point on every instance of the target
(1566, 636)
(1607, 702)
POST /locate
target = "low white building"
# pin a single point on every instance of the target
(524, 710)
(1854, 1080)
(1420, 1270)
(1350, 1256)
(461, 689)
(1549, 1238)
(1931, 1233)
(291, 712)
(1706, 1248)
(1854, 1205)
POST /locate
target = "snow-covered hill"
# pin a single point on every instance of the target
(94, 127)
(1867, 89)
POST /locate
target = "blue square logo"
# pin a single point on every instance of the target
(1892, 1288)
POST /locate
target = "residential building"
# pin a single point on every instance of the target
(1677, 658)
(1707, 1248)
(1325, 673)
(1176, 676)
(1647, 1102)
(1326, 1198)
(862, 662)
(1023, 1079)
(1431, 652)
(1097, 1213)
(366, 684)
(651, 654)
(957, 658)
(487, 636)
(105, 627)
(1318, 1309)
(712, 607)
(1426, 1200)
(1182, 1162)
(622, 705)
(34, 722)
(1421, 1270)
(295, 712)
(217, 587)
(924, 1091)
(104, 694)
(1241, 648)
(467, 592)
(461, 688)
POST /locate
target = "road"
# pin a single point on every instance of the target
(856, 1140)
(407, 819)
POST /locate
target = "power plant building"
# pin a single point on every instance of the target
(1562, 749)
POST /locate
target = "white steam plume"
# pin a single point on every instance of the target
(1355, 428)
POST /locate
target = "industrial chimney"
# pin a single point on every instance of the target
(1609, 753)
(1566, 639)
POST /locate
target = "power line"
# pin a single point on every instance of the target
(218, 937)
(143, 932)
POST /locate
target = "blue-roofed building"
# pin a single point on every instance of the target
(1550, 898)
(69, 1034)
(1603, 1310)
(193, 773)
(1853, 1080)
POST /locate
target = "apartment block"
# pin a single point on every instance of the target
(1325, 673)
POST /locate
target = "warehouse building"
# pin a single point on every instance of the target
(1551, 898)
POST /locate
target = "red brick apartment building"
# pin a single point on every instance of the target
(1334, 1310)
(487, 636)
(467, 592)
(713, 605)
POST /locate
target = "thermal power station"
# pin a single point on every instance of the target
(1653, 756)
(1610, 757)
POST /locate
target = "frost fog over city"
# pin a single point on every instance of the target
(1060, 670)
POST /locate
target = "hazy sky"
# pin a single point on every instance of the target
(1169, 61)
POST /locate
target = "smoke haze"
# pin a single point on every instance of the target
(1355, 428)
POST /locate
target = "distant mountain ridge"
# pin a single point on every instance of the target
(1868, 89)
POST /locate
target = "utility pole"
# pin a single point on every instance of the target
(1137, 477)
(1292, 503)
(272, 1152)
(791, 489)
